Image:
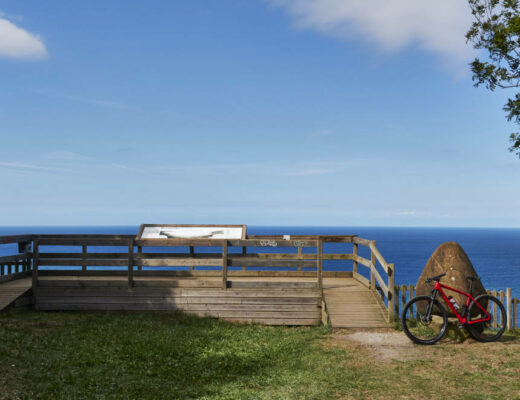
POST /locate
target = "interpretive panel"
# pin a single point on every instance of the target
(148, 231)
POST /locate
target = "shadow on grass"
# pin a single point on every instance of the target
(144, 355)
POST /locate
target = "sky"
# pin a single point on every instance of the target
(259, 112)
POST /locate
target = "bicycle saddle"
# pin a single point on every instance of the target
(435, 278)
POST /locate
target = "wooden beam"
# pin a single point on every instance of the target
(355, 253)
(372, 270)
(378, 256)
(509, 308)
(224, 264)
(391, 293)
(320, 264)
(36, 259)
(131, 263)
(84, 257)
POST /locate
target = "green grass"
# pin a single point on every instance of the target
(169, 356)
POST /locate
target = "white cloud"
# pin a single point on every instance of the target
(67, 156)
(437, 26)
(407, 213)
(26, 167)
(17, 43)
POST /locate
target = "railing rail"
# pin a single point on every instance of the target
(376, 281)
(17, 265)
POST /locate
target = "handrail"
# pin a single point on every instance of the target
(386, 289)
(16, 265)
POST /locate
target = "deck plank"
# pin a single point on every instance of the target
(12, 290)
(352, 305)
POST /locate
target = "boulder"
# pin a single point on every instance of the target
(451, 259)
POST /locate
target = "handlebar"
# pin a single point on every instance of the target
(435, 278)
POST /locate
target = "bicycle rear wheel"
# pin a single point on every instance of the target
(424, 320)
(492, 329)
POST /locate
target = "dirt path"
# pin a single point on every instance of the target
(388, 344)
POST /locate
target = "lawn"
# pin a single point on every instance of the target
(157, 355)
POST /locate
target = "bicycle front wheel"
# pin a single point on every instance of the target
(424, 320)
(493, 326)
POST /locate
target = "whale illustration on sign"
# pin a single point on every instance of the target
(179, 234)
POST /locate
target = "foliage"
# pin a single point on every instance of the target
(496, 28)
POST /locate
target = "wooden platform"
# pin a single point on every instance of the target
(350, 304)
(271, 301)
(274, 301)
(13, 290)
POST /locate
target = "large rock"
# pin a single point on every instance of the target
(451, 259)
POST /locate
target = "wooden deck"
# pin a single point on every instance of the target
(272, 301)
(13, 290)
(350, 304)
(275, 280)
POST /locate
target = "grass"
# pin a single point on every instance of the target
(174, 356)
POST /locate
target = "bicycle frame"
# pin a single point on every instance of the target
(462, 318)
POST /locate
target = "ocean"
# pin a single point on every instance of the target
(494, 252)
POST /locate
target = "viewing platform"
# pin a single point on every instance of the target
(276, 280)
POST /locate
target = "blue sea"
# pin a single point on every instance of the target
(494, 252)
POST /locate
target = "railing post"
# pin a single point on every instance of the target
(36, 260)
(192, 254)
(391, 293)
(509, 308)
(372, 268)
(355, 264)
(300, 258)
(84, 257)
(224, 264)
(131, 263)
(140, 256)
(320, 263)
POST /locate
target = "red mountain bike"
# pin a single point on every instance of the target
(424, 320)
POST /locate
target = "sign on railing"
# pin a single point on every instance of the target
(170, 231)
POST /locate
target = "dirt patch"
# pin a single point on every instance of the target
(387, 345)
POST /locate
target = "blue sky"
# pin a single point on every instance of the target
(264, 112)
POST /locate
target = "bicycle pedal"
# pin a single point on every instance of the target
(460, 326)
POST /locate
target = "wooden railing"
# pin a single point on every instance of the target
(257, 255)
(16, 265)
(376, 281)
(404, 293)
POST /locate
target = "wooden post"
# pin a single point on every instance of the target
(396, 293)
(244, 252)
(410, 295)
(140, 256)
(320, 263)
(36, 260)
(300, 257)
(494, 311)
(502, 300)
(84, 258)
(191, 255)
(224, 264)
(355, 264)
(509, 309)
(372, 268)
(391, 293)
(130, 263)
(403, 297)
(515, 313)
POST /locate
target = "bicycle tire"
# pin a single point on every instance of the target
(423, 330)
(487, 331)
